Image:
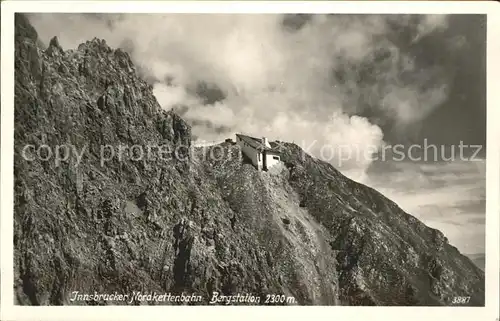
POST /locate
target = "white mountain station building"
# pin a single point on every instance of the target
(258, 151)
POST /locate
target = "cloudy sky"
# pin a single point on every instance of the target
(359, 82)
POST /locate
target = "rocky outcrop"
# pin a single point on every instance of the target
(108, 197)
(385, 256)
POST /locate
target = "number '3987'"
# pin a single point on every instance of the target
(460, 300)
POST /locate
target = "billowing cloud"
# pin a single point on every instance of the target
(308, 82)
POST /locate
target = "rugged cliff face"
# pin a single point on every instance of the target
(91, 216)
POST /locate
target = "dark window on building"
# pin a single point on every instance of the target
(276, 157)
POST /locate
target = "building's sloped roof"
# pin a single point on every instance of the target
(256, 143)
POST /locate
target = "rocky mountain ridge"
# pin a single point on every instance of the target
(179, 222)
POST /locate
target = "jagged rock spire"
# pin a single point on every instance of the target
(54, 47)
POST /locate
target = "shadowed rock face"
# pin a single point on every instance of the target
(183, 223)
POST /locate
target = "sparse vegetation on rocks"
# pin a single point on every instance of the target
(186, 226)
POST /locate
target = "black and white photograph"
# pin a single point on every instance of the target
(249, 159)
